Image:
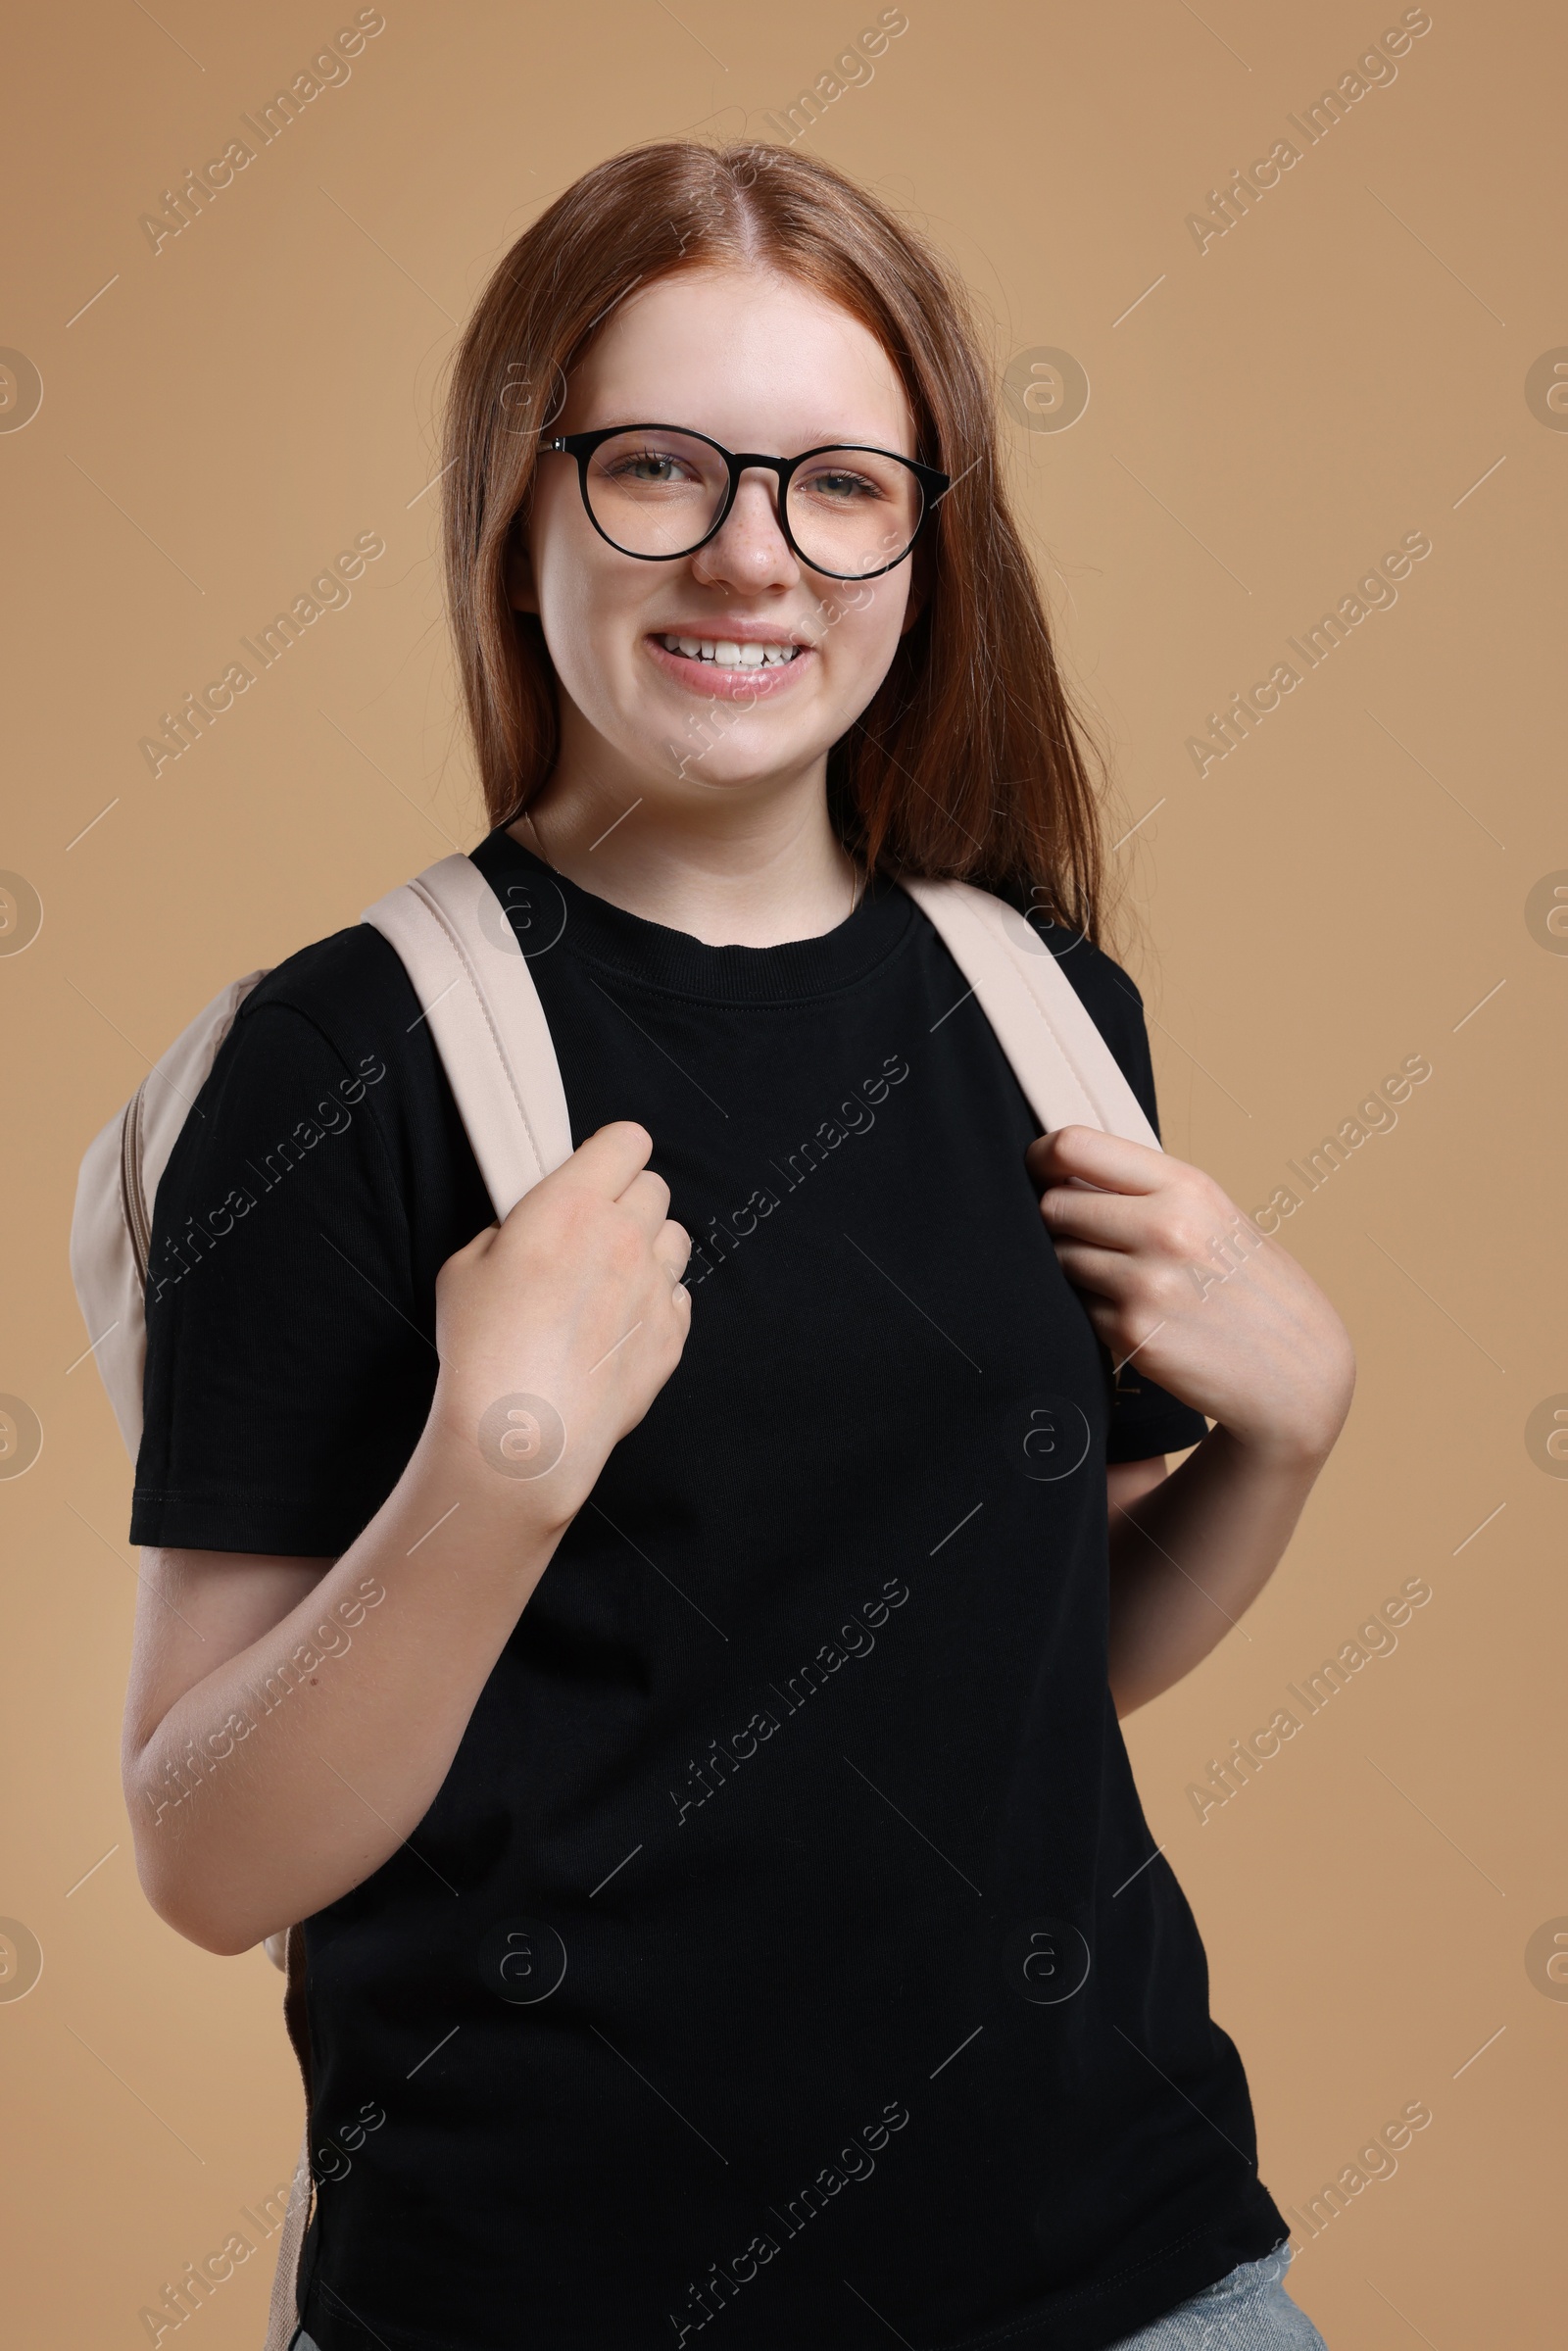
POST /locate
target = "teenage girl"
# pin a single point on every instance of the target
(668, 1647)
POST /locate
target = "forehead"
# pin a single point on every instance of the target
(754, 359)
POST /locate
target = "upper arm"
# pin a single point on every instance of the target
(195, 1610)
(290, 1348)
(1126, 1481)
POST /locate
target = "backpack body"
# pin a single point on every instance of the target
(477, 993)
(111, 1225)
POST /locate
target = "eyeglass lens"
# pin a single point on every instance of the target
(852, 512)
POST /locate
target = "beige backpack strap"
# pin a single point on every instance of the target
(282, 2315)
(287, 1950)
(473, 980)
(1069, 1075)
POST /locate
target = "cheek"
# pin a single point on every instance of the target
(590, 600)
(570, 565)
(859, 648)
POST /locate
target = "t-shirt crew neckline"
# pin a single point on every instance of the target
(675, 961)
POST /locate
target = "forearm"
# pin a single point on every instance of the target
(1189, 1557)
(288, 1774)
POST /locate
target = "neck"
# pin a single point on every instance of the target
(747, 865)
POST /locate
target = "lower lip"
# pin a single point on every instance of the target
(714, 684)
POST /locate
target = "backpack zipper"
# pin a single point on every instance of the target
(131, 1198)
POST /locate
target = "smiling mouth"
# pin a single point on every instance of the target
(724, 653)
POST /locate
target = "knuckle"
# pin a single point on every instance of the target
(1184, 1234)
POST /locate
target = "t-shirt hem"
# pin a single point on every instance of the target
(1138, 1442)
(1092, 2317)
(175, 1520)
(1101, 2316)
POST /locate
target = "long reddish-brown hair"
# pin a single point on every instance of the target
(970, 759)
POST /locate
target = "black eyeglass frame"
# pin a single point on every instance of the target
(934, 485)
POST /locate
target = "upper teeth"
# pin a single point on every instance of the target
(751, 655)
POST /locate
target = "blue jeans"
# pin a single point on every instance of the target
(1247, 2311)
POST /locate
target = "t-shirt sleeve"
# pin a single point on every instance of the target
(290, 1353)
(1145, 1418)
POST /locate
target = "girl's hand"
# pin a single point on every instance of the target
(1175, 1276)
(557, 1328)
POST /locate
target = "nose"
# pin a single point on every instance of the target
(750, 551)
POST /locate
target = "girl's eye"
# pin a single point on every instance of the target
(840, 487)
(653, 468)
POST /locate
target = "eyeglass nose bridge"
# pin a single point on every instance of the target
(739, 462)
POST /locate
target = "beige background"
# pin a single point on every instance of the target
(1348, 887)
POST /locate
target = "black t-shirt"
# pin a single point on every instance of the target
(783, 1950)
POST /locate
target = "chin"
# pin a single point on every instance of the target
(726, 767)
